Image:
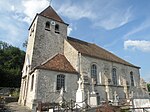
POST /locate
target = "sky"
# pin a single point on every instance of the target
(119, 26)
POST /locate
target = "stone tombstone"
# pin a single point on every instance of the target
(61, 95)
(51, 110)
(116, 98)
(80, 95)
(93, 96)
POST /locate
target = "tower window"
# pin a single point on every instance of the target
(32, 82)
(56, 28)
(94, 72)
(47, 25)
(32, 30)
(60, 82)
(132, 78)
(114, 76)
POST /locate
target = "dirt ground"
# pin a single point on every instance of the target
(14, 107)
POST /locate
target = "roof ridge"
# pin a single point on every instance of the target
(49, 12)
(45, 9)
(78, 40)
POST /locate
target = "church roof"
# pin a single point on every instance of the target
(58, 63)
(49, 12)
(93, 50)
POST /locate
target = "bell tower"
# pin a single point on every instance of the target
(46, 37)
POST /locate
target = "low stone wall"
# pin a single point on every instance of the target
(6, 91)
(8, 99)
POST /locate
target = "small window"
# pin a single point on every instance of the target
(94, 72)
(132, 78)
(32, 82)
(56, 28)
(60, 82)
(47, 25)
(114, 76)
(32, 30)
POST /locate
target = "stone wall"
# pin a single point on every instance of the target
(32, 93)
(104, 72)
(45, 43)
(46, 88)
(71, 54)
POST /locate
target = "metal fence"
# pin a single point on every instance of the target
(65, 106)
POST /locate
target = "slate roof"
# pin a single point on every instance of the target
(95, 51)
(49, 12)
(58, 63)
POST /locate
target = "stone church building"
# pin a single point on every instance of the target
(54, 60)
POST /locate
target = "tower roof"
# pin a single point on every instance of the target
(49, 12)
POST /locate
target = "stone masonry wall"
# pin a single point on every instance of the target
(104, 72)
(32, 94)
(71, 54)
(30, 46)
(47, 80)
(47, 43)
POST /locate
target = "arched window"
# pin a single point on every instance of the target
(94, 71)
(47, 25)
(114, 76)
(56, 28)
(60, 82)
(132, 78)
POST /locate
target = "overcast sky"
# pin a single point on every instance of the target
(120, 26)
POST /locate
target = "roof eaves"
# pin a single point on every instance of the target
(75, 72)
(33, 21)
(110, 60)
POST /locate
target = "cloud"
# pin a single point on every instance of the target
(11, 31)
(102, 14)
(31, 7)
(115, 19)
(69, 30)
(16, 16)
(141, 45)
(75, 12)
(27, 9)
(145, 24)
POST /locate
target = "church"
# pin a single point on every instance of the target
(55, 61)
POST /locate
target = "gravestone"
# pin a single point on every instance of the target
(93, 96)
(80, 95)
